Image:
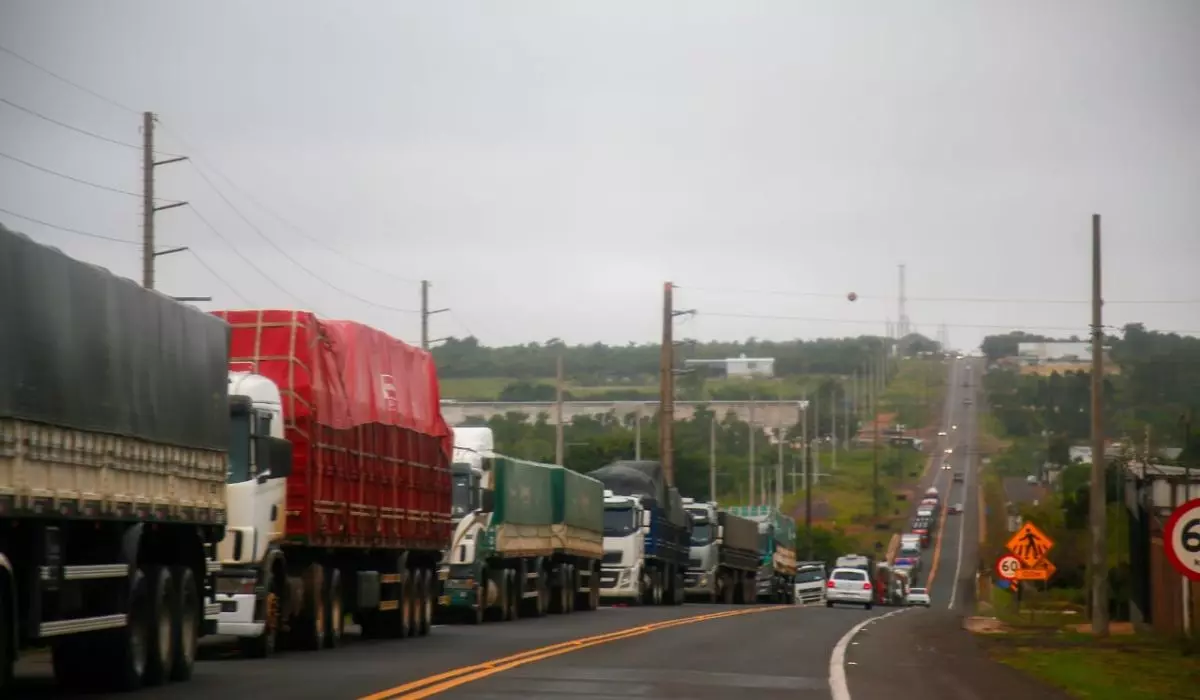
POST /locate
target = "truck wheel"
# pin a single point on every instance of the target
(186, 628)
(335, 617)
(426, 602)
(558, 588)
(411, 603)
(161, 626)
(267, 643)
(514, 595)
(124, 653)
(594, 588)
(476, 616)
(570, 585)
(309, 634)
(726, 589)
(6, 646)
(678, 587)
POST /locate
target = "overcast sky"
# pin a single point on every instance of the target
(547, 165)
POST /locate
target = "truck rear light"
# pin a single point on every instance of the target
(867, 586)
(830, 584)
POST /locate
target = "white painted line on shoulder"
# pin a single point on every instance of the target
(838, 688)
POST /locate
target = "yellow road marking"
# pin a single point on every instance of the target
(441, 682)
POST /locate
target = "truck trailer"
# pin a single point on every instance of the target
(356, 520)
(647, 535)
(723, 560)
(777, 552)
(114, 443)
(534, 547)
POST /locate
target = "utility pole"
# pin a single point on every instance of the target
(712, 458)
(753, 493)
(666, 386)
(1097, 505)
(637, 436)
(833, 434)
(808, 498)
(875, 452)
(558, 412)
(149, 254)
(803, 438)
(847, 427)
(426, 312)
(779, 466)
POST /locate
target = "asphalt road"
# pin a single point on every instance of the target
(778, 652)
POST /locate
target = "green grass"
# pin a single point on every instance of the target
(1125, 667)
(489, 388)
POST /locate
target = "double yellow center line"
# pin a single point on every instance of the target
(439, 683)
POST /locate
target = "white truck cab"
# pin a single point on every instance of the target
(704, 553)
(255, 500)
(626, 524)
(471, 468)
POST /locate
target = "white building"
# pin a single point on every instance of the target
(1041, 353)
(750, 366)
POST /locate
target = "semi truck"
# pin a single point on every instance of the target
(647, 535)
(723, 559)
(534, 547)
(356, 520)
(776, 578)
(810, 582)
(474, 450)
(114, 443)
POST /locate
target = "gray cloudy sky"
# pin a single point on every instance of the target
(549, 164)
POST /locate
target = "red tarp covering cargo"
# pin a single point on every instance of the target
(362, 411)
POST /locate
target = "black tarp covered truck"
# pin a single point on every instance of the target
(113, 453)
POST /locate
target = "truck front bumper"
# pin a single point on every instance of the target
(618, 582)
(459, 593)
(236, 617)
(700, 583)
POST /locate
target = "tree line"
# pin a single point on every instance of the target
(599, 364)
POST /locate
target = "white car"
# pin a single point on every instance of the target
(949, 450)
(954, 427)
(946, 465)
(918, 596)
(849, 586)
(941, 433)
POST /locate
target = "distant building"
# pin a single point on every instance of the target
(1047, 357)
(743, 366)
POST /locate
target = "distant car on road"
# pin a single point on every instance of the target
(949, 450)
(955, 509)
(954, 427)
(849, 586)
(958, 477)
(918, 596)
(941, 433)
(946, 465)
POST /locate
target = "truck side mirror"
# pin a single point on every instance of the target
(721, 533)
(487, 500)
(274, 457)
(646, 519)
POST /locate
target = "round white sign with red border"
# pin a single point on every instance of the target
(1007, 567)
(1181, 539)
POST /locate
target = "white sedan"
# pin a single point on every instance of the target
(941, 433)
(918, 596)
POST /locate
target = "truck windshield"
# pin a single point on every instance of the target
(702, 534)
(239, 449)
(810, 575)
(461, 495)
(618, 522)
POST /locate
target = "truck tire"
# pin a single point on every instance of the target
(426, 602)
(309, 631)
(267, 643)
(514, 595)
(594, 588)
(570, 585)
(677, 589)
(726, 589)
(411, 603)
(7, 628)
(160, 640)
(478, 614)
(187, 616)
(335, 617)
(558, 587)
(122, 655)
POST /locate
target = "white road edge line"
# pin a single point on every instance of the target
(962, 517)
(838, 688)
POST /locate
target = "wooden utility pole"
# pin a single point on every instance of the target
(874, 398)
(558, 412)
(753, 493)
(712, 458)
(779, 465)
(808, 498)
(666, 386)
(1097, 505)
(426, 312)
(149, 253)
(637, 436)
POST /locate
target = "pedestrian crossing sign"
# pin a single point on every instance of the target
(1030, 545)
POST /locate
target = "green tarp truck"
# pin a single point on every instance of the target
(777, 552)
(534, 547)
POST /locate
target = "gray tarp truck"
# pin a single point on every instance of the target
(723, 563)
(114, 439)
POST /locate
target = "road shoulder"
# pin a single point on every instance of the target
(929, 650)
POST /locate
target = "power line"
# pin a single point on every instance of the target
(68, 229)
(72, 83)
(279, 217)
(72, 178)
(295, 262)
(76, 129)
(218, 276)
(247, 259)
(962, 300)
(993, 326)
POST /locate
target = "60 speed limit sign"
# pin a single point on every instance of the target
(1007, 567)
(1181, 539)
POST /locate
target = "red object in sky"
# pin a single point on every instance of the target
(371, 462)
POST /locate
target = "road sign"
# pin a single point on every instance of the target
(1030, 544)
(1041, 571)
(1181, 539)
(1007, 567)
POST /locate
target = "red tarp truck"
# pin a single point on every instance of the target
(356, 519)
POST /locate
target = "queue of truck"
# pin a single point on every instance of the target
(167, 474)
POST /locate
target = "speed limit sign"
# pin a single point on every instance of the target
(1181, 539)
(1007, 567)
